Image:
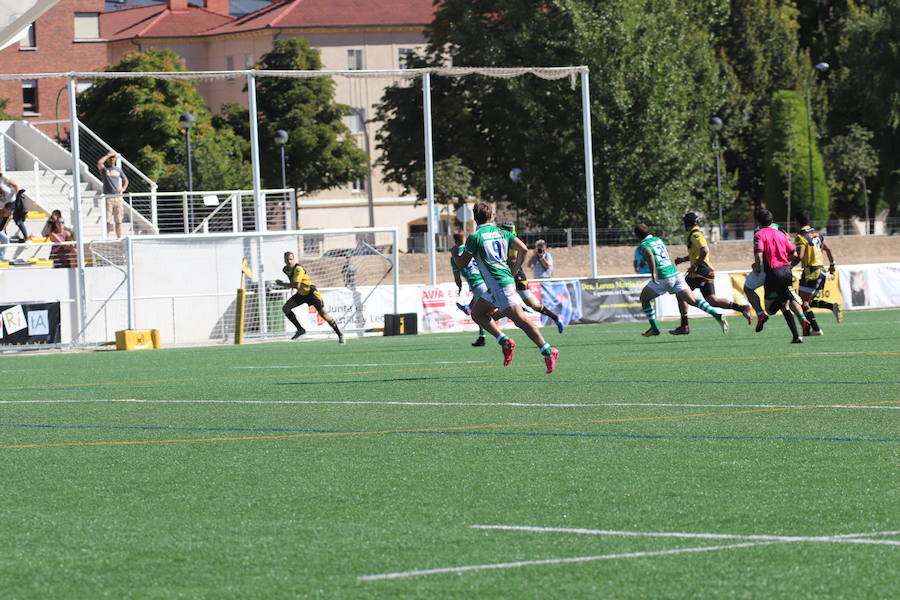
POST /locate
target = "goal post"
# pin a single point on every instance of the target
(185, 283)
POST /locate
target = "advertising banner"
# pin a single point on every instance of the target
(830, 293)
(440, 313)
(605, 300)
(30, 323)
(870, 286)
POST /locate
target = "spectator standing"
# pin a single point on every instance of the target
(8, 189)
(114, 184)
(5, 217)
(541, 261)
(20, 213)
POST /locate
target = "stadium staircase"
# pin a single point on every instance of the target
(44, 169)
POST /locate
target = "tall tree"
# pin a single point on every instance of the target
(320, 152)
(853, 162)
(789, 155)
(652, 78)
(759, 54)
(139, 118)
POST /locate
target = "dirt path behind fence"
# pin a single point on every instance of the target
(614, 260)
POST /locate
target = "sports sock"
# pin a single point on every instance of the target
(822, 304)
(545, 350)
(546, 311)
(705, 307)
(293, 319)
(684, 319)
(811, 317)
(650, 313)
(502, 338)
(791, 324)
(480, 332)
(334, 326)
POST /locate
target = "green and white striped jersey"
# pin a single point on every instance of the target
(490, 247)
(664, 267)
(471, 272)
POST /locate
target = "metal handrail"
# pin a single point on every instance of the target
(204, 224)
(127, 163)
(39, 161)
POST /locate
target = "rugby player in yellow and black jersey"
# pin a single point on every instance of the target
(522, 283)
(701, 275)
(811, 246)
(306, 293)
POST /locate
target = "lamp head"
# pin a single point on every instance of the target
(281, 137)
(715, 123)
(822, 66)
(186, 120)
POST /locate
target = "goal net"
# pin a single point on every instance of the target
(185, 286)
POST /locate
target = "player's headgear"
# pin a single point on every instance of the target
(691, 219)
(509, 226)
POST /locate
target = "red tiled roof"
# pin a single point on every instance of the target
(158, 21)
(334, 13)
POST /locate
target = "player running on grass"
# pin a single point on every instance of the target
(489, 246)
(522, 283)
(473, 278)
(665, 279)
(810, 245)
(774, 253)
(701, 275)
(306, 293)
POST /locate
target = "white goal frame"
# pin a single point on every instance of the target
(549, 73)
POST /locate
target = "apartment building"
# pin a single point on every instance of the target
(65, 38)
(349, 34)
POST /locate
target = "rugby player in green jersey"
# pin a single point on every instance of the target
(473, 278)
(665, 279)
(489, 246)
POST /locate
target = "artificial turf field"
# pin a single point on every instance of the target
(418, 467)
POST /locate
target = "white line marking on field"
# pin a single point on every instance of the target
(751, 541)
(473, 404)
(846, 538)
(411, 364)
(554, 561)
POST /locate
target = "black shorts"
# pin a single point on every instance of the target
(313, 298)
(521, 281)
(778, 285)
(704, 278)
(812, 280)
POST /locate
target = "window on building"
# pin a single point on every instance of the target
(359, 185)
(358, 121)
(248, 61)
(29, 42)
(229, 65)
(30, 97)
(404, 55)
(355, 59)
(87, 26)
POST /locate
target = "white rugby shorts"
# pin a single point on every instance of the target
(755, 280)
(669, 285)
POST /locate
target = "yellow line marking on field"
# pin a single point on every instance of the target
(430, 429)
(284, 375)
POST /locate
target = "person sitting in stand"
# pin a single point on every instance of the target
(63, 255)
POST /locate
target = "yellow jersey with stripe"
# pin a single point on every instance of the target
(810, 240)
(298, 275)
(695, 241)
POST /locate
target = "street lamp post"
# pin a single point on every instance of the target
(186, 121)
(281, 138)
(361, 115)
(715, 124)
(822, 66)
